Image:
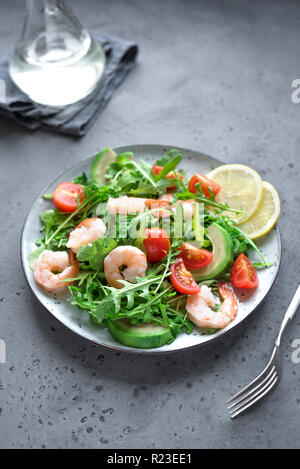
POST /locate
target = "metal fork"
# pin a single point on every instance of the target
(261, 387)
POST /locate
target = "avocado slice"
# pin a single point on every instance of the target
(100, 164)
(139, 335)
(223, 254)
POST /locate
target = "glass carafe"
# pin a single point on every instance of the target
(55, 62)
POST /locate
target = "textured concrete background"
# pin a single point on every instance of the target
(213, 76)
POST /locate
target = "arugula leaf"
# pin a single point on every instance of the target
(48, 218)
(186, 195)
(96, 252)
(82, 180)
(103, 309)
(145, 189)
(129, 290)
(170, 166)
(247, 240)
(166, 158)
(122, 161)
(34, 255)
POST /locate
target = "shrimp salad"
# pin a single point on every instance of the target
(148, 251)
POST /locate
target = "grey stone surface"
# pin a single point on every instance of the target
(213, 76)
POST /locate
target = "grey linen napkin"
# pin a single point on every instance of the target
(74, 119)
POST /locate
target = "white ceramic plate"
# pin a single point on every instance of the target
(78, 321)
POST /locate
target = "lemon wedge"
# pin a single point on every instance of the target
(266, 216)
(241, 189)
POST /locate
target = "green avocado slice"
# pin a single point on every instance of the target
(100, 164)
(223, 254)
(139, 335)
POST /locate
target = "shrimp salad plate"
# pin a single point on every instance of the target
(150, 248)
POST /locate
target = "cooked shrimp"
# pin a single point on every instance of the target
(131, 205)
(188, 208)
(166, 197)
(200, 312)
(187, 205)
(50, 262)
(208, 296)
(85, 233)
(132, 258)
(126, 205)
(157, 205)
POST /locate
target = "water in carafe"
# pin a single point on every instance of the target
(55, 62)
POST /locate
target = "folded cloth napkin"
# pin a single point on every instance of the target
(77, 118)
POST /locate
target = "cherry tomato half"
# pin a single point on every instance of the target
(243, 274)
(157, 244)
(171, 175)
(182, 279)
(156, 169)
(205, 183)
(65, 196)
(193, 257)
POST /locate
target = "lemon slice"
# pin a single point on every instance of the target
(266, 216)
(241, 189)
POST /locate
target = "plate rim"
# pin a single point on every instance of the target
(132, 350)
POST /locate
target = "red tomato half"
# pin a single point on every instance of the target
(157, 244)
(157, 169)
(65, 196)
(243, 274)
(205, 183)
(182, 279)
(171, 175)
(195, 258)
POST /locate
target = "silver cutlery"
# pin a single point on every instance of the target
(266, 382)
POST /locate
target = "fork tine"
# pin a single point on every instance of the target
(256, 400)
(250, 391)
(246, 388)
(255, 392)
(267, 380)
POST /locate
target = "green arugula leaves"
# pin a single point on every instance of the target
(95, 253)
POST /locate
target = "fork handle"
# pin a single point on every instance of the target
(289, 314)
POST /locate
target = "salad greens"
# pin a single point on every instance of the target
(151, 299)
